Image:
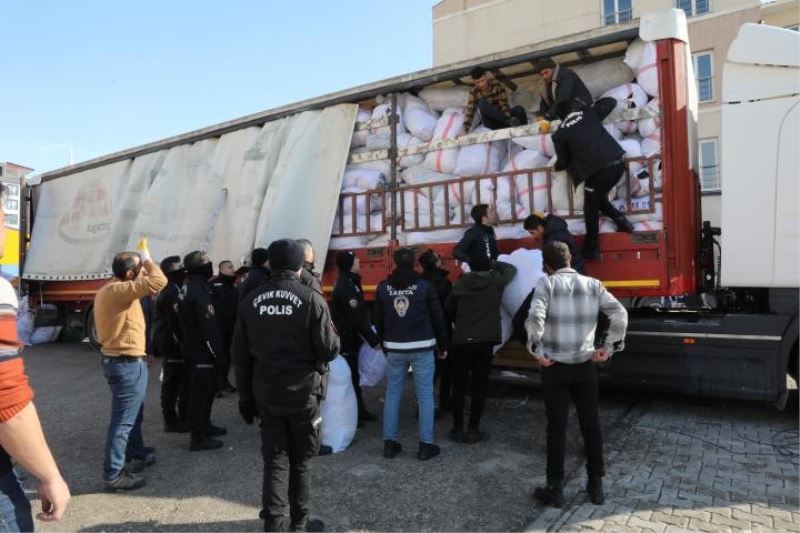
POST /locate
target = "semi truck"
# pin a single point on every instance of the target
(713, 311)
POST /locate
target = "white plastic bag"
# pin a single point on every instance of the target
(339, 410)
(641, 57)
(529, 270)
(604, 75)
(418, 118)
(371, 365)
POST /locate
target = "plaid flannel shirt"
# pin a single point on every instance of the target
(562, 318)
(494, 94)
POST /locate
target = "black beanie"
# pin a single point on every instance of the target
(285, 254)
(258, 257)
(345, 260)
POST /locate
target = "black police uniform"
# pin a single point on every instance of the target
(200, 348)
(282, 344)
(309, 278)
(226, 302)
(167, 340)
(256, 276)
(352, 322)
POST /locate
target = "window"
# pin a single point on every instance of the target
(616, 11)
(12, 205)
(709, 171)
(704, 73)
(694, 7)
(13, 190)
(12, 220)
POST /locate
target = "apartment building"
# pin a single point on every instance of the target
(464, 29)
(12, 176)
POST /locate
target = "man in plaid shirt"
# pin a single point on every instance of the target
(561, 326)
(488, 97)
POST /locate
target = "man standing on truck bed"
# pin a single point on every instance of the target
(562, 325)
(201, 347)
(488, 97)
(282, 345)
(561, 86)
(352, 322)
(479, 243)
(121, 331)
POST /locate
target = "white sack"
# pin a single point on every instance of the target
(359, 202)
(449, 126)
(418, 118)
(651, 126)
(510, 231)
(525, 160)
(381, 165)
(479, 159)
(421, 216)
(641, 57)
(436, 236)
(364, 178)
(603, 75)
(632, 149)
(406, 140)
(360, 221)
(441, 98)
(418, 174)
(383, 111)
(339, 410)
(380, 140)
(628, 96)
(529, 270)
(540, 143)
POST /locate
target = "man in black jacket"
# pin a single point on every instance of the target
(283, 343)
(167, 339)
(411, 325)
(433, 272)
(475, 304)
(479, 243)
(561, 86)
(226, 301)
(201, 347)
(308, 277)
(352, 321)
(258, 274)
(591, 155)
(552, 228)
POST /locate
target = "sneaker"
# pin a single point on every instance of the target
(176, 427)
(550, 495)
(125, 482)
(207, 443)
(457, 435)
(216, 431)
(391, 448)
(595, 489)
(475, 435)
(427, 451)
(136, 464)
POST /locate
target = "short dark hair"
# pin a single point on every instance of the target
(123, 263)
(556, 255)
(404, 258)
(545, 62)
(194, 259)
(478, 212)
(259, 256)
(168, 264)
(428, 259)
(223, 262)
(477, 72)
(532, 222)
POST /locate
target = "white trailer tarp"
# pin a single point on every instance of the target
(224, 195)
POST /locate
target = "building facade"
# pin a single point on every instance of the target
(464, 29)
(12, 176)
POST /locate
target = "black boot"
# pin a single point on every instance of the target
(623, 224)
(591, 250)
(427, 451)
(595, 489)
(550, 495)
(391, 448)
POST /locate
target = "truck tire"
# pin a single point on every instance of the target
(91, 329)
(794, 363)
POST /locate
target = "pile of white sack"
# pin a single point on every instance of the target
(438, 113)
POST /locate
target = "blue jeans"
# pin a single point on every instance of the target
(128, 383)
(423, 364)
(15, 509)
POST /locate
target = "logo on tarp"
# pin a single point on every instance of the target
(89, 218)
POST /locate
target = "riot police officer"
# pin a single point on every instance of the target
(283, 341)
(226, 301)
(352, 321)
(258, 274)
(167, 339)
(201, 346)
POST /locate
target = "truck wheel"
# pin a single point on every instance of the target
(91, 329)
(794, 363)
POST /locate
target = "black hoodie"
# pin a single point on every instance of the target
(556, 230)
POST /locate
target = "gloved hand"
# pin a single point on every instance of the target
(144, 251)
(248, 411)
(514, 122)
(544, 126)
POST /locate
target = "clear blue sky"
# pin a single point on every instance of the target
(103, 76)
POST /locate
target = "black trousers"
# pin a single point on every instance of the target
(443, 372)
(202, 390)
(595, 198)
(175, 389)
(493, 117)
(475, 358)
(560, 383)
(224, 359)
(288, 442)
(350, 354)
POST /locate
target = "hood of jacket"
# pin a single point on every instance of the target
(474, 282)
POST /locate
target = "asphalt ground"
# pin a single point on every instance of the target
(482, 487)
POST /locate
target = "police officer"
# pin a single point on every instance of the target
(283, 342)
(308, 276)
(258, 273)
(167, 338)
(201, 346)
(226, 301)
(352, 322)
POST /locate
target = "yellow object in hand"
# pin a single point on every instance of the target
(143, 250)
(544, 126)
